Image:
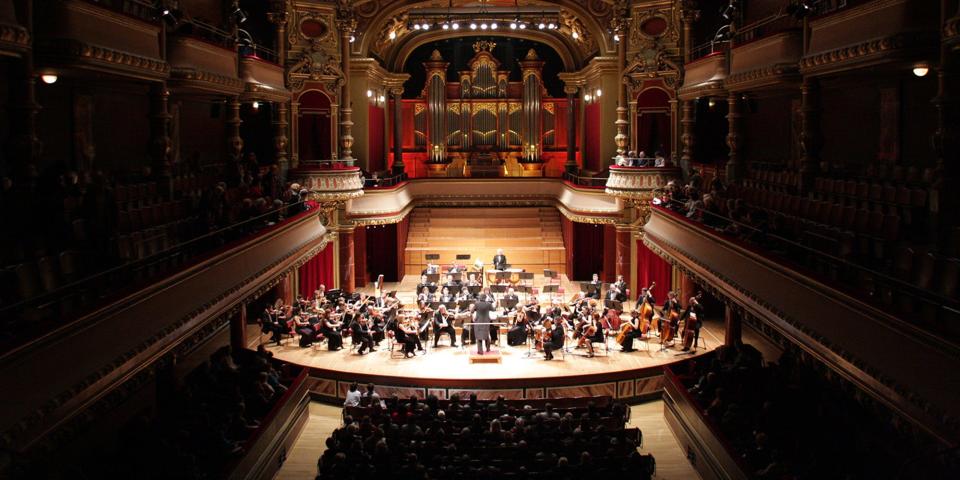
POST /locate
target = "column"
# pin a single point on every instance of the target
(160, 142)
(24, 146)
(346, 264)
(234, 140)
(688, 288)
(688, 15)
(238, 329)
(945, 138)
(346, 25)
(280, 139)
(609, 253)
(624, 259)
(361, 277)
(809, 133)
(294, 135)
(398, 166)
(687, 137)
(732, 326)
(734, 163)
(571, 165)
(621, 138)
(278, 17)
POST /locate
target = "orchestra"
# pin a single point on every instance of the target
(478, 312)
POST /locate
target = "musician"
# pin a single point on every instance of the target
(424, 283)
(509, 297)
(517, 335)
(692, 320)
(406, 333)
(452, 282)
(531, 311)
(464, 295)
(499, 260)
(485, 295)
(481, 324)
(579, 301)
(362, 334)
(454, 268)
(446, 297)
(431, 269)
(425, 297)
(671, 306)
(554, 340)
(645, 296)
(591, 331)
(330, 328)
(319, 293)
(621, 285)
(425, 319)
(634, 332)
(377, 324)
(472, 280)
(270, 323)
(308, 334)
(442, 324)
(613, 294)
(595, 284)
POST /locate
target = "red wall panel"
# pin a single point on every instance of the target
(591, 147)
(375, 122)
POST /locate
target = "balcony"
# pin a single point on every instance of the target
(918, 380)
(14, 39)
(263, 79)
(704, 77)
(114, 350)
(874, 33)
(202, 66)
(766, 63)
(639, 183)
(122, 40)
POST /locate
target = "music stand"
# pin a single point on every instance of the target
(508, 304)
(431, 288)
(524, 276)
(465, 304)
(450, 305)
(613, 305)
(587, 287)
(498, 288)
(433, 277)
(474, 289)
(434, 305)
(435, 257)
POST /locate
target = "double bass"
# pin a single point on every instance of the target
(647, 311)
(690, 325)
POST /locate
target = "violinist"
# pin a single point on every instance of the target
(377, 324)
(472, 281)
(361, 334)
(591, 331)
(330, 328)
(517, 335)
(406, 333)
(621, 285)
(442, 324)
(464, 295)
(425, 297)
(270, 323)
(424, 283)
(613, 294)
(555, 338)
(452, 283)
(485, 296)
(308, 334)
(595, 284)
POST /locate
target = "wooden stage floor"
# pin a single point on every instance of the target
(519, 366)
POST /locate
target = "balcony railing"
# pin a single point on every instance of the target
(32, 317)
(706, 49)
(140, 9)
(586, 181)
(764, 28)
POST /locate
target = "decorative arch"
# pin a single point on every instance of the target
(315, 124)
(374, 19)
(399, 55)
(653, 121)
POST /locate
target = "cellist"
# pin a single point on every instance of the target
(671, 310)
(691, 325)
(645, 304)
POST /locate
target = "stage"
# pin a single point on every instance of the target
(521, 373)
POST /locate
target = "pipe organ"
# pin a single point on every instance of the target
(484, 113)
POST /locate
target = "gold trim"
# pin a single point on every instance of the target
(95, 56)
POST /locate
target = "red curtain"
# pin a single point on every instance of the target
(588, 250)
(653, 133)
(386, 245)
(651, 268)
(318, 270)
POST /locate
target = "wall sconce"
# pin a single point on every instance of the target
(255, 105)
(49, 78)
(921, 69)
(369, 93)
(586, 97)
(598, 93)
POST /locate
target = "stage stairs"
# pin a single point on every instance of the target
(530, 237)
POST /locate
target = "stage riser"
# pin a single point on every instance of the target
(530, 237)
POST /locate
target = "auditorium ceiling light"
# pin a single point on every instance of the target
(49, 78)
(425, 26)
(575, 35)
(473, 26)
(513, 25)
(353, 39)
(541, 25)
(392, 35)
(455, 26)
(616, 37)
(483, 26)
(493, 26)
(445, 26)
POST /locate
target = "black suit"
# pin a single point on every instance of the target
(499, 262)
(481, 327)
(361, 335)
(556, 341)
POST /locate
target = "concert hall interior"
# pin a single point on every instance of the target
(458, 239)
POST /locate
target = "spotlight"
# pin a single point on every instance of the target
(455, 26)
(473, 26)
(50, 78)
(446, 26)
(575, 35)
(369, 93)
(920, 70)
(711, 103)
(255, 105)
(416, 26)
(598, 93)
(522, 26)
(493, 26)
(353, 39)
(165, 12)
(541, 26)
(616, 37)
(513, 25)
(552, 26)
(425, 26)
(586, 98)
(392, 35)
(483, 26)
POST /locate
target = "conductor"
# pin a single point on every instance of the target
(499, 260)
(481, 324)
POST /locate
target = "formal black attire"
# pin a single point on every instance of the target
(481, 324)
(556, 341)
(334, 338)
(361, 335)
(499, 262)
(628, 339)
(595, 291)
(517, 335)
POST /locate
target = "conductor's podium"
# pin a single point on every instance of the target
(530, 237)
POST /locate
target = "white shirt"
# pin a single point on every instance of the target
(352, 400)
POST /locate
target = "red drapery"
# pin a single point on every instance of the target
(588, 250)
(317, 271)
(651, 268)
